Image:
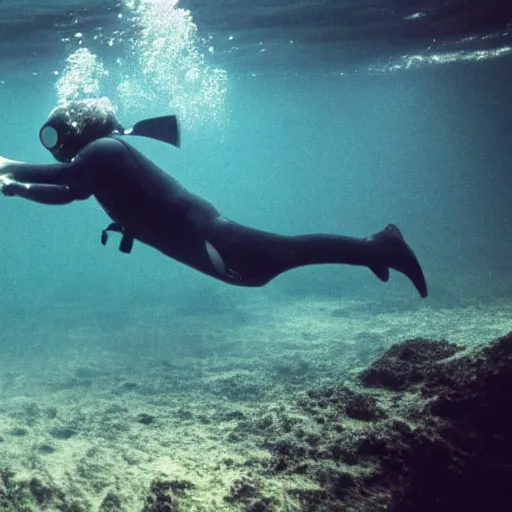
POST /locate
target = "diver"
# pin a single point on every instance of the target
(147, 204)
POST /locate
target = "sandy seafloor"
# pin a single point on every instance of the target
(114, 403)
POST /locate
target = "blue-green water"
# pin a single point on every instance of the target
(307, 137)
(427, 149)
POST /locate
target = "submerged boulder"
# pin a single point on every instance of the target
(426, 428)
(460, 457)
(454, 450)
(407, 364)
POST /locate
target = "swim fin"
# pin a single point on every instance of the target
(397, 255)
(165, 129)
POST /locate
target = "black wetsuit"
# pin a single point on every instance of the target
(148, 205)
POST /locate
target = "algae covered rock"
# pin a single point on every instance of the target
(247, 492)
(342, 401)
(427, 428)
(408, 363)
(33, 495)
(164, 495)
(13, 494)
(161, 498)
(458, 453)
(111, 503)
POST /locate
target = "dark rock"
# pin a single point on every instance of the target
(460, 454)
(111, 503)
(444, 445)
(45, 448)
(231, 415)
(42, 494)
(51, 412)
(180, 486)
(164, 493)
(13, 494)
(261, 505)
(241, 490)
(62, 432)
(289, 454)
(335, 401)
(338, 483)
(264, 422)
(246, 492)
(184, 414)
(18, 431)
(310, 499)
(32, 495)
(145, 419)
(407, 364)
(160, 498)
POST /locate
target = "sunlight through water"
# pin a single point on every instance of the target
(160, 66)
(172, 68)
(475, 49)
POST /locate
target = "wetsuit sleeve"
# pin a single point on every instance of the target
(40, 193)
(50, 174)
(46, 183)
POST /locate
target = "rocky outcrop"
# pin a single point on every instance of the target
(433, 433)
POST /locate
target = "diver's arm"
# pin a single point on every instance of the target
(40, 193)
(42, 183)
(51, 174)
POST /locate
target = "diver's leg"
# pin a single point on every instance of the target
(250, 257)
(383, 251)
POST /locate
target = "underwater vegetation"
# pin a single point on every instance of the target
(425, 427)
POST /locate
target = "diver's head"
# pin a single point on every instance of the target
(70, 127)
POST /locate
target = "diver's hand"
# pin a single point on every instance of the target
(7, 185)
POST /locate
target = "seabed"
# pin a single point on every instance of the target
(260, 406)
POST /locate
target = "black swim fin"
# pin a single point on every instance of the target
(165, 129)
(397, 255)
(381, 272)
